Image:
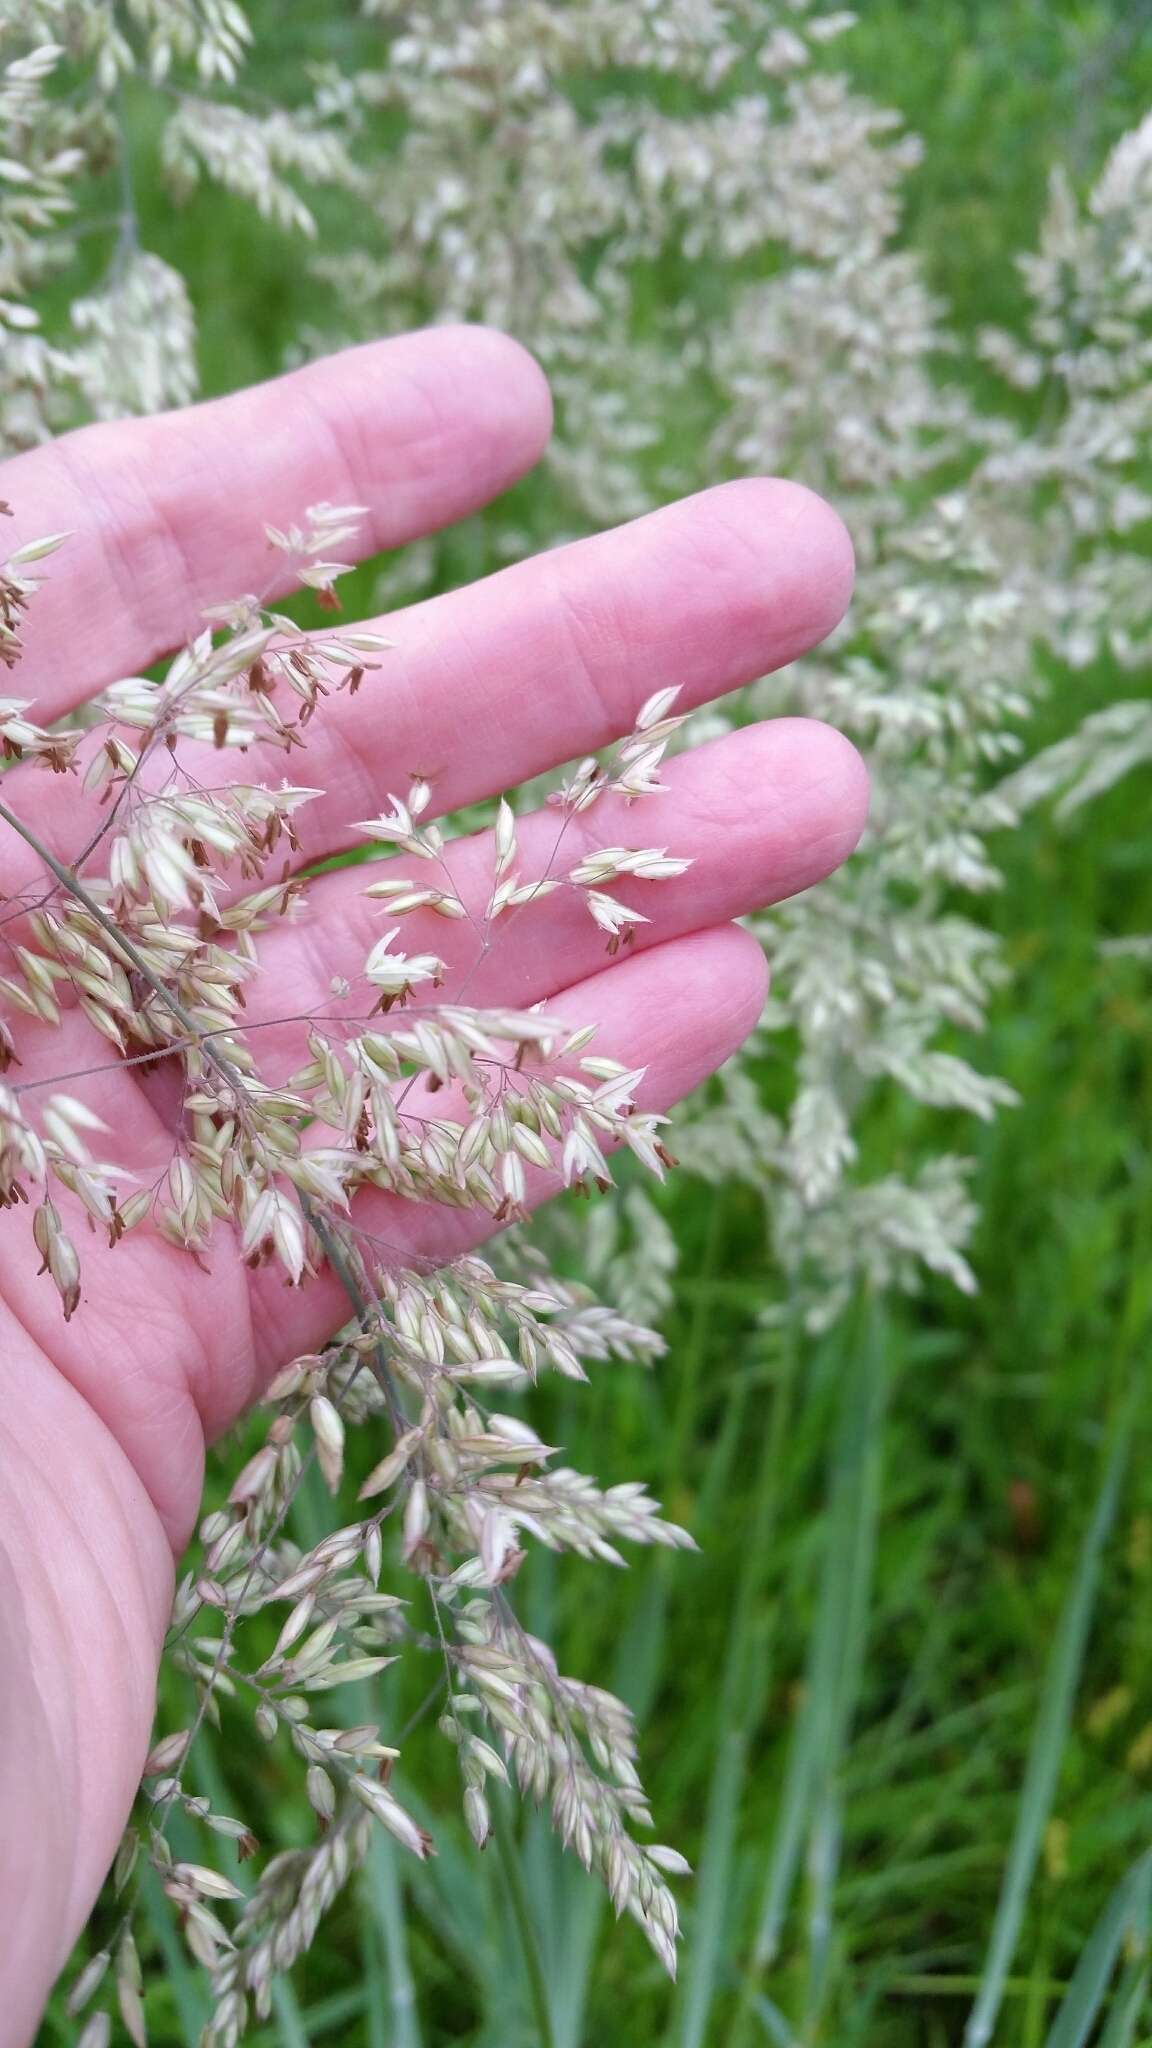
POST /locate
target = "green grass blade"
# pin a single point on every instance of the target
(1126, 1913)
(374, 1969)
(834, 1655)
(862, 1483)
(823, 1867)
(396, 1986)
(569, 1940)
(696, 1352)
(773, 2022)
(293, 2032)
(714, 1886)
(1047, 1746)
(1129, 2007)
(508, 1850)
(741, 1698)
(326, 2013)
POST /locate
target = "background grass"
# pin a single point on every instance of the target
(900, 1708)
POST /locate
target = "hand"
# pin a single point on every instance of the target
(104, 1419)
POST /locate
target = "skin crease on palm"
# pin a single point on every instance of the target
(104, 1420)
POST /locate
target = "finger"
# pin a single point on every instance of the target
(679, 1010)
(553, 658)
(167, 515)
(541, 663)
(85, 1596)
(760, 814)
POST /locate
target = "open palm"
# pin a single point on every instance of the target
(104, 1419)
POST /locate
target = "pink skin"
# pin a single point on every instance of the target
(104, 1421)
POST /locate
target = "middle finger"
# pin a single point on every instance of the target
(486, 686)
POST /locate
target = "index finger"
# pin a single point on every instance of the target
(166, 516)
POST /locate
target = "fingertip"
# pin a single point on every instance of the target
(809, 563)
(846, 788)
(824, 552)
(734, 961)
(427, 427)
(501, 388)
(815, 783)
(701, 996)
